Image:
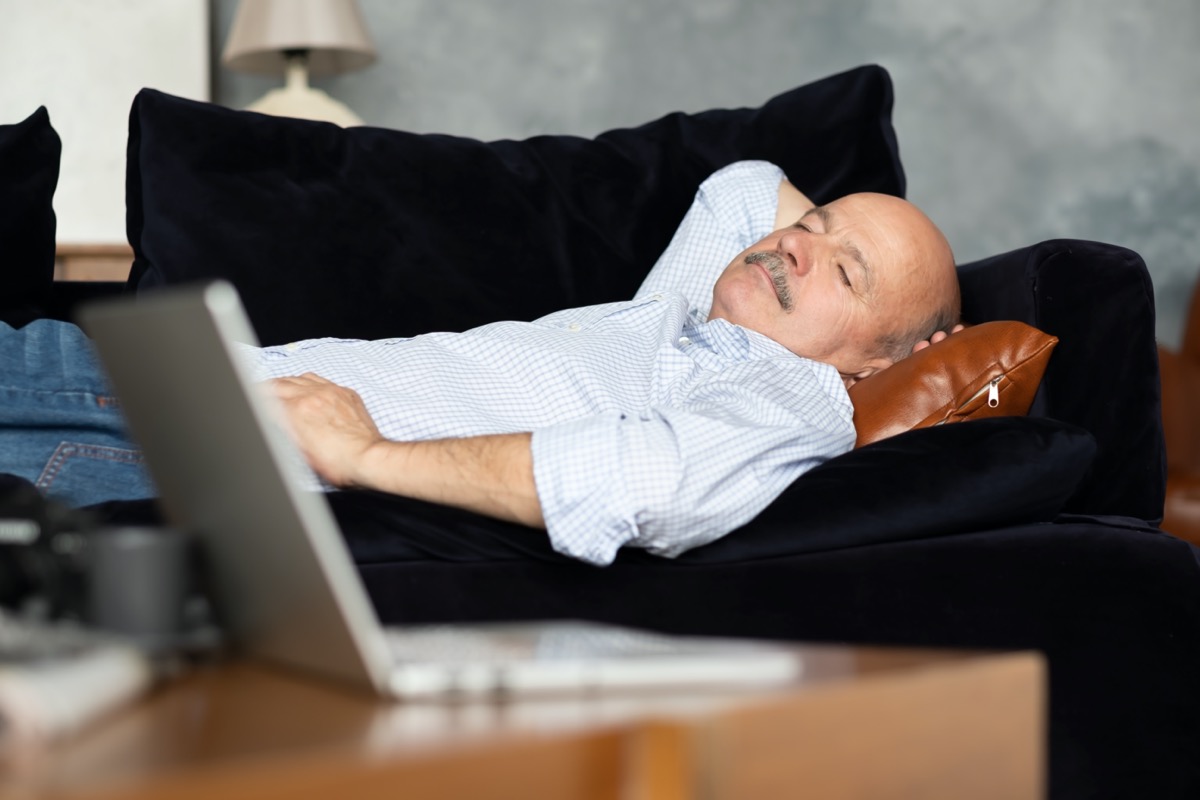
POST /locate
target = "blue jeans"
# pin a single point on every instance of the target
(60, 425)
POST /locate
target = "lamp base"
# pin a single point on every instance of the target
(305, 102)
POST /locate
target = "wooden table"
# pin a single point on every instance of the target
(92, 262)
(859, 723)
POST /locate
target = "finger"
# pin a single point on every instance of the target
(289, 388)
(292, 385)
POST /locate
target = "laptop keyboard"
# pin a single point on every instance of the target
(559, 641)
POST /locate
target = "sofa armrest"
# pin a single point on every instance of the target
(1099, 301)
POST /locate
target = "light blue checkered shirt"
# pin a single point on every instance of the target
(651, 427)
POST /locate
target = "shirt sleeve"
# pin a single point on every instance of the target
(671, 479)
(734, 208)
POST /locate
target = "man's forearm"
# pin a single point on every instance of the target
(491, 475)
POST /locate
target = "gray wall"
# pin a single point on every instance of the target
(1018, 121)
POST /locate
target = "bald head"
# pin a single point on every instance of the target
(922, 296)
(855, 283)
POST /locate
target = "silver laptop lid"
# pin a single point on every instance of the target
(222, 464)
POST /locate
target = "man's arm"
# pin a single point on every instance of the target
(668, 480)
(491, 475)
(733, 208)
(793, 205)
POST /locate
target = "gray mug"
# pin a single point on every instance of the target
(138, 582)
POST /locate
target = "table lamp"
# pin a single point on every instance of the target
(299, 38)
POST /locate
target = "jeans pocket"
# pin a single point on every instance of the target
(81, 473)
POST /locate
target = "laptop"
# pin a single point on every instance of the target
(280, 574)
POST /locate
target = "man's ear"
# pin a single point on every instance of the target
(873, 365)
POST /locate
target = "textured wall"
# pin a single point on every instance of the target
(1018, 121)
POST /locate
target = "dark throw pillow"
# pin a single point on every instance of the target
(369, 233)
(29, 157)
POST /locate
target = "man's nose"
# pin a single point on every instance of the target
(797, 250)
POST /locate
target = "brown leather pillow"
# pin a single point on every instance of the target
(987, 370)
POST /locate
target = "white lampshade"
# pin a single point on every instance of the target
(331, 31)
(297, 38)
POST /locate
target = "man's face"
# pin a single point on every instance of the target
(828, 287)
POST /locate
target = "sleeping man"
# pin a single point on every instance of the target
(663, 422)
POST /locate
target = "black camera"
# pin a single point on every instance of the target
(58, 563)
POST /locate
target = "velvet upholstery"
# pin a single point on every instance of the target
(1099, 301)
(1005, 533)
(29, 162)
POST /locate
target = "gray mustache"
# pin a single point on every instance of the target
(777, 268)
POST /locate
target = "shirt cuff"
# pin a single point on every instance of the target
(577, 473)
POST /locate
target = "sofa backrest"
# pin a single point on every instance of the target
(369, 233)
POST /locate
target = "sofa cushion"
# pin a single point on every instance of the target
(938, 481)
(29, 159)
(988, 370)
(369, 233)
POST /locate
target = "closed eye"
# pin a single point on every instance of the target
(845, 277)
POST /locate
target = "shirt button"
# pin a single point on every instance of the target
(684, 341)
(574, 327)
(656, 296)
(292, 347)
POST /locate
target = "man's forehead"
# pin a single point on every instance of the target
(828, 217)
(851, 205)
(821, 213)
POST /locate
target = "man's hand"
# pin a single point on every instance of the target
(330, 424)
(491, 475)
(937, 337)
